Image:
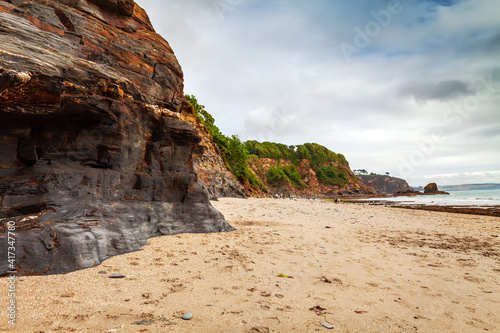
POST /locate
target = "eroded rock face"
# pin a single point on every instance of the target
(219, 182)
(96, 138)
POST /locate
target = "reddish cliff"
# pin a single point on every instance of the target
(311, 185)
(97, 144)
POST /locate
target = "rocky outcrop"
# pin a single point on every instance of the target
(432, 188)
(97, 143)
(385, 184)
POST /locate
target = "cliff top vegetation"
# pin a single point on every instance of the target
(331, 168)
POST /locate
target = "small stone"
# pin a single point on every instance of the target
(327, 325)
(325, 279)
(117, 276)
(116, 329)
(144, 322)
(102, 272)
(187, 316)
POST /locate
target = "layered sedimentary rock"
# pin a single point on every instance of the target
(219, 182)
(97, 142)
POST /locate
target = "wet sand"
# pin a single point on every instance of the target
(289, 265)
(472, 210)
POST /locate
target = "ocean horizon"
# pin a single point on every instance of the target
(476, 198)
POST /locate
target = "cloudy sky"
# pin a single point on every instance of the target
(410, 87)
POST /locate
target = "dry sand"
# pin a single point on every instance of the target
(361, 268)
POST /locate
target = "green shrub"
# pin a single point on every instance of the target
(293, 175)
(255, 182)
(332, 175)
(276, 175)
(286, 173)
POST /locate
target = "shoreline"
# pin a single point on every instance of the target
(458, 209)
(471, 210)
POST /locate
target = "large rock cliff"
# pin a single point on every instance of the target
(97, 142)
(385, 184)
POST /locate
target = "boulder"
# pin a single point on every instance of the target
(431, 188)
(97, 144)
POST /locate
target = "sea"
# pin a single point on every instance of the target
(474, 198)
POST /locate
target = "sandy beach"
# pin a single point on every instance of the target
(289, 266)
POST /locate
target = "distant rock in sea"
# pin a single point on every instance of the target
(432, 188)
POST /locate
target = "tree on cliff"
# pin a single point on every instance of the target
(208, 120)
(233, 151)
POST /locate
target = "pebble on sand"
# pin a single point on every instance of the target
(329, 326)
(116, 329)
(187, 316)
(116, 276)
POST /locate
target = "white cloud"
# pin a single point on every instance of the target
(273, 70)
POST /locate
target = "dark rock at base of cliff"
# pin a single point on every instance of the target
(96, 152)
